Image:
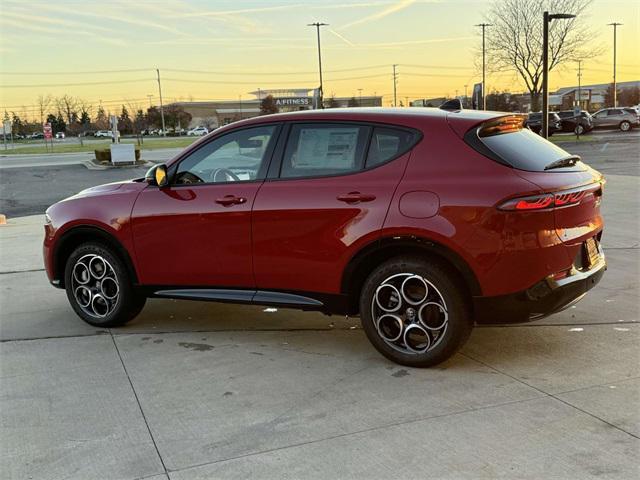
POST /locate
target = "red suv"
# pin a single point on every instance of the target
(422, 221)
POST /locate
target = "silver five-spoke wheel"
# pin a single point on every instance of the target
(95, 285)
(409, 313)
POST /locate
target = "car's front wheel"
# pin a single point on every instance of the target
(415, 311)
(579, 129)
(625, 126)
(99, 286)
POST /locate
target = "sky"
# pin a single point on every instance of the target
(107, 51)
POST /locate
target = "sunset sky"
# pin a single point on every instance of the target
(108, 51)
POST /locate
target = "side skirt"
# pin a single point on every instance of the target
(326, 303)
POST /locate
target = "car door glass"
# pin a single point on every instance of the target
(324, 149)
(387, 143)
(615, 112)
(236, 156)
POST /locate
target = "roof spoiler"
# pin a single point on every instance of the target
(451, 105)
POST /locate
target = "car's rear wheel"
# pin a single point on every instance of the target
(415, 311)
(99, 287)
(625, 126)
(579, 129)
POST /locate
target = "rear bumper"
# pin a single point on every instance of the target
(544, 298)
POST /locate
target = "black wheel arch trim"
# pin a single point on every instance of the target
(88, 233)
(389, 244)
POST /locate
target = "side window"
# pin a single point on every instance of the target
(615, 111)
(236, 156)
(324, 149)
(387, 143)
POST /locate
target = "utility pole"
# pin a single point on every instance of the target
(240, 96)
(484, 67)
(149, 96)
(318, 25)
(359, 97)
(615, 26)
(580, 84)
(164, 132)
(546, 19)
(395, 85)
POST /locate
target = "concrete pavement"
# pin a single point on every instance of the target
(194, 390)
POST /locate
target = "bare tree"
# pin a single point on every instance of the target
(43, 102)
(514, 39)
(68, 106)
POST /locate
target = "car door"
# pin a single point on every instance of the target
(614, 117)
(197, 230)
(333, 188)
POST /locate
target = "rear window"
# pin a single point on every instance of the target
(518, 148)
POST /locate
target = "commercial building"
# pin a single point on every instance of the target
(592, 97)
(215, 113)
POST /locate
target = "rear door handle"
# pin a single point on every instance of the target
(356, 197)
(229, 200)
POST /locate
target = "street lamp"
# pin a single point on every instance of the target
(615, 26)
(318, 25)
(545, 66)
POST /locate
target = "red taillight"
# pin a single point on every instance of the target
(545, 201)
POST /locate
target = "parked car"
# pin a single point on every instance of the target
(60, 135)
(579, 124)
(534, 123)
(37, 135)
(198, 131)
(103, 133)
(623, 118)
(422, 221)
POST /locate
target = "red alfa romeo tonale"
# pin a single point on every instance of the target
(422, 221)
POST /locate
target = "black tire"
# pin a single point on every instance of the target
(103, 301)
(625, 126)
(441, 282)
(579, 130)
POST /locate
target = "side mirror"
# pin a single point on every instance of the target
(157, 176)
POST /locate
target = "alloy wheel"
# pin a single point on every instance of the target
(95, 285)
(409, 313)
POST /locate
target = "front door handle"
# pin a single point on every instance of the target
(356, 197)
(229, 200)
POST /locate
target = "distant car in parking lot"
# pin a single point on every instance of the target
(37, 135)
(623, 118)
(60, 135)
(534, 122)
(103, 133)
(198, 131)
(570, 122)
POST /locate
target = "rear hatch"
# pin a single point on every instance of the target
(569, 187)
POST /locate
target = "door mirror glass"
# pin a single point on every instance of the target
(157, 176)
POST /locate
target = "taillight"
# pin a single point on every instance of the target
(547, 201)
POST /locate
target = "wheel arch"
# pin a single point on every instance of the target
(372, 255)
(83, 234)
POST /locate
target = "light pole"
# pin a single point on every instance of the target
(546, 20)
(149, 96)
(580, 84)
(395, 85)
(318, 25)
(615, 26)
(484, 68)
(359, 97)
(164, 130)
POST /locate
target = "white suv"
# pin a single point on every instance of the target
(198, 131)
(103, 133)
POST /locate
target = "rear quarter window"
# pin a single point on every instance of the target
(387, 143)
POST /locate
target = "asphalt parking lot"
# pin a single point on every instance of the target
(202, 390)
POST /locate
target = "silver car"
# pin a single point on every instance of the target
(623, 118)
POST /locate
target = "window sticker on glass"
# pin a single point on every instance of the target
(333, 148)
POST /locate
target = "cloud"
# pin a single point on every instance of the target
(401, 5)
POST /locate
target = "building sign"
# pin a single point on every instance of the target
(293, 101)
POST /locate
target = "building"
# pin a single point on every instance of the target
(215, 113)
(592, 97)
